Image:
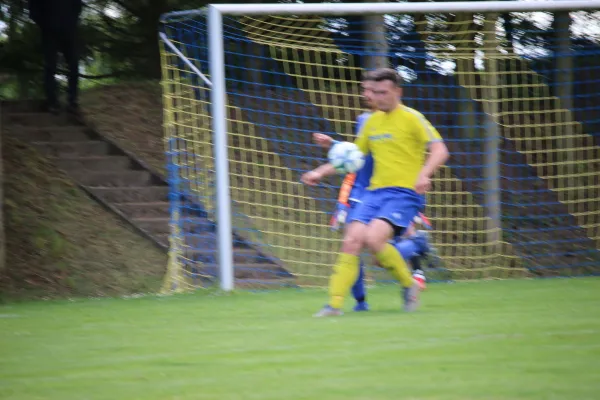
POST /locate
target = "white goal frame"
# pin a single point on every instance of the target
(215, 13)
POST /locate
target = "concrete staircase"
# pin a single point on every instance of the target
(126, 186)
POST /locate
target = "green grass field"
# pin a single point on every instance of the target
(528, 339)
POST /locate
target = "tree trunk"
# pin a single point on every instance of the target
(148, 23)
(375, 43)
(509, 29)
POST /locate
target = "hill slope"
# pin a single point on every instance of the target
(61, 243)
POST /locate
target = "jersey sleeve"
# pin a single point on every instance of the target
(427, 132)
(362, 140)
(360, 122)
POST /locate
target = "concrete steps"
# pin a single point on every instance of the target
(120, 182)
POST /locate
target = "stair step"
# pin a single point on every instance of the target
(114, 179)
(205, 240)
(211, 256)
(20, 106)
(269, 283)
(54, 134)
(191, 239)
(162, 238)
(108, 174)
(71, 149)
(101, 163)
(145, 209)
(547, 101)
(159, 209)
(161, 225)
(132, 194)
(241, 271)
(38, 119)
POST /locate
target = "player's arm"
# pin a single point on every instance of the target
(323, 140)
(316, 175)
(326, 141)
(438, 155)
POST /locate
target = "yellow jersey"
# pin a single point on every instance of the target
(398, 142)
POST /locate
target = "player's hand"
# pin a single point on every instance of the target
(423, 184)
(323, 140)
(311, 178)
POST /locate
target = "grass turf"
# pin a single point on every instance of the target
(528, 339)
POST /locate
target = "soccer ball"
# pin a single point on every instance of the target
(346, 157)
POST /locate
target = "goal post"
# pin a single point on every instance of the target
(245, 85)
(219, 116)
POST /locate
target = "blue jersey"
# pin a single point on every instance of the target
(354, 185)
(363, 175)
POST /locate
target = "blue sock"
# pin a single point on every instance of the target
(358, 290)
(413, 248)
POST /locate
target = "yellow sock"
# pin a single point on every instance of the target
(390, 259)
(344, 275)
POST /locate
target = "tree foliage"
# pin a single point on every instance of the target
(120, 37)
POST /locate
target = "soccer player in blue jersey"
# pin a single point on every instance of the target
(352, 189)
(398, 138)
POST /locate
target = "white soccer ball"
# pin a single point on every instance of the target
(346, 157)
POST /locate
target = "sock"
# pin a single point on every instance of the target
(358, 290)
(344, 275)
(415, 263)
(390, 259)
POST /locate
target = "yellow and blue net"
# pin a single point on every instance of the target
(472, 77)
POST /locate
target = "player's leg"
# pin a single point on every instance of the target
(378, 234)
(406, 247)
(359, 291)
(395, 214)
(345, 270)
(412, 248)
(389, 258)
(418, 273)
(421, 240)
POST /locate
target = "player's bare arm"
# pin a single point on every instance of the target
(323, 140)
(438, 155)
(316, 175)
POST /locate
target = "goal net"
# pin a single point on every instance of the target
(514, 94)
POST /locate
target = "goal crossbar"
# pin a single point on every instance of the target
(390, 8)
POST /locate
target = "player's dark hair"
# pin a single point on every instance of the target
(383, 74)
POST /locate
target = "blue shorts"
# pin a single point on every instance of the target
(352, 209)
(353, 202)
(355, 199)
(397, 206)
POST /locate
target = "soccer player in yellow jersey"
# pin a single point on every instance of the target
(398, 138)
